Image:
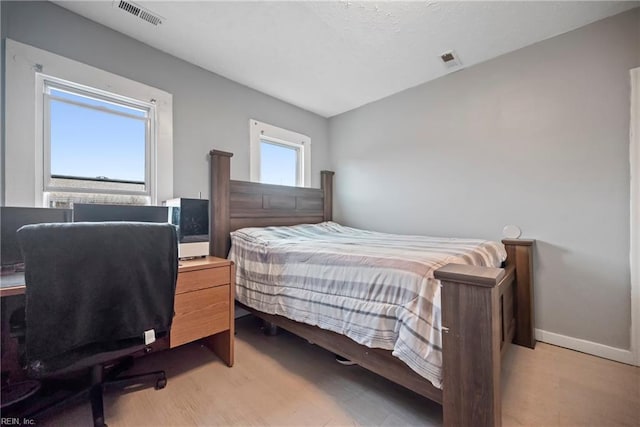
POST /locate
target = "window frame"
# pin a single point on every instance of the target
(44, 84)
(23, 151)
(259, 131)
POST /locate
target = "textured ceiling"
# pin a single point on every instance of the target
(331, 57)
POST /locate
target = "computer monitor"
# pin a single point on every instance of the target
(12, 218)
(99, 213)
(191, 217)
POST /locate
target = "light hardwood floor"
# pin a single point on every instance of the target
(285, 381)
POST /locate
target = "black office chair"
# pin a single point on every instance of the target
(93, 290)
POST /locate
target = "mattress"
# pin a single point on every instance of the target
(377, 289)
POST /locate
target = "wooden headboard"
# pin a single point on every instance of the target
(238, 204)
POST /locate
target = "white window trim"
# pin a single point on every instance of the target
(634, 155)
(24, 148)
(259, 130)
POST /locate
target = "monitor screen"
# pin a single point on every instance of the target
(192, 216)
(12, 218)
(100, 213)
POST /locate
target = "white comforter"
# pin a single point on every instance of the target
(378, 289)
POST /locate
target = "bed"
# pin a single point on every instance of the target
(444, 339)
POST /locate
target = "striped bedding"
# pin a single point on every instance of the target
(378, 289)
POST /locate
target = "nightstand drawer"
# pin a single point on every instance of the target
(200, 314)
(201, 279)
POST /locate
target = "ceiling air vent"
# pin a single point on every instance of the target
(450, 59)
(139, 11)
(150, 17)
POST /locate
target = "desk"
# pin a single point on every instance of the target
(11, 284)
(204, 303)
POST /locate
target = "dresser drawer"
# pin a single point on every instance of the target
(200, 313)
(200, 279)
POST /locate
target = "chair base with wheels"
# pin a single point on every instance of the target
(58, 394)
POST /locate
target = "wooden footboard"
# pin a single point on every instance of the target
(475, 331)
(483, 309)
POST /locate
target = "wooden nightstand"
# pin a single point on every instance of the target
(204, 305)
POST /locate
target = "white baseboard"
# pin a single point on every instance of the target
(589, 347)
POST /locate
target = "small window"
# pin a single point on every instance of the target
(279, 163)
(96, 143)
(279, 156)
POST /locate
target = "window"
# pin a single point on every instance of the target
(96, 142)
(96, 136)
(279, 156)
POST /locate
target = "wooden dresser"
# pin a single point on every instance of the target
(204, 305)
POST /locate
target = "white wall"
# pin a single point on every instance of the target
(537, 138)
(209, 111)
